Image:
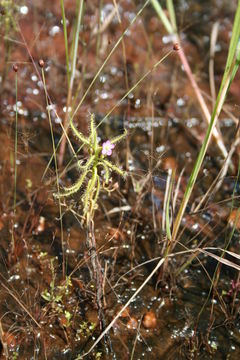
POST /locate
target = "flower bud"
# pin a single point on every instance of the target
(15, 68)
(176, 47)
(41, 63)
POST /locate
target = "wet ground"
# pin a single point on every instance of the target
(189, 309)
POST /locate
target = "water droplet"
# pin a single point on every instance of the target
(14, 277)
(103, 79)
(180, 102)
(65, 109)
(137, 103)
(113, 70)
(50, 107)
(58, 120)
(195, 227)
(166, 39)
(218, 48)
(24, 10)
(54, 30)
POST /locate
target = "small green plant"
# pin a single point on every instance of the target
(97, 356)
(55, 294)
(79, 357)
(93, 169)
(15, 355)
(86, 329)
(68, 317)
(51, 296)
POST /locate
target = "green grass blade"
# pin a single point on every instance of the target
(172, 15)
(233, 46)
(168, 26)
(65, 40)
(235, 69)
(168, 222)
(75, 43)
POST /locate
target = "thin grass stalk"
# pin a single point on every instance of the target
(136, 340)
(226, 164)
(236, 65)
(226, 81)
(176, 192)
(126, 80)
(15, 159)
(165, 201)
(98, 41)
(15, 145)
(56, 170)
(65, 40)
(168, 26)
(168, 217)
(172, 15)
(236, 182)
(76, 42)
(213, 41)
(97, 270)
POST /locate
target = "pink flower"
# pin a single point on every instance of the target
(107, 148)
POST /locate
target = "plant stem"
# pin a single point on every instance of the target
(56, 169)
(16, 145)
(98, 279)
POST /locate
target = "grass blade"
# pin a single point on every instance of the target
(163, 17)
(172, 16)
(65, 40)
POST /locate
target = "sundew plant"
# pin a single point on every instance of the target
(96, 171)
